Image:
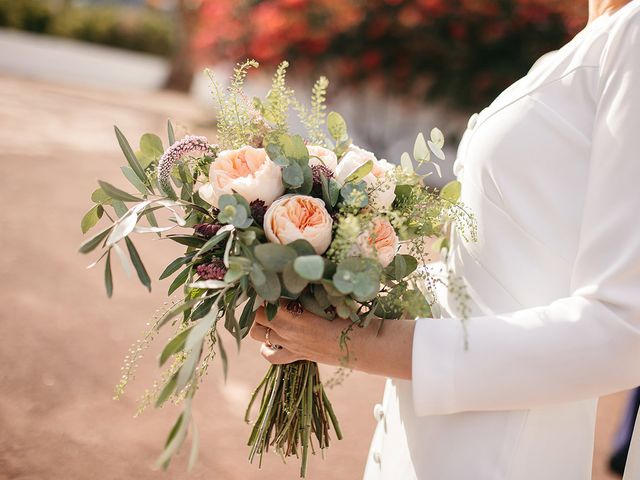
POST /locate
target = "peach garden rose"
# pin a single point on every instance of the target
(382, 239)
(294, 217)
(247, 171)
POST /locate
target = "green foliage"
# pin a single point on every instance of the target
(238, 120)
(139, 29)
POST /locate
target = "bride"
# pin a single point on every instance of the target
(551, 170)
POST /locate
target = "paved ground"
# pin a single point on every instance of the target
(63, 341)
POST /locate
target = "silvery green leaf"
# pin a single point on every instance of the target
(223, 357)
(271, 289)
(133, 179)
(406, 163)
(116, 193)
(91, 218)
(360, 172)
(295, 149)
(309, 267)
(451, 191)
(151, 146)
(122, 228)
(257, 276)
(130, 156)
(337, 126)
(209, 284)
(99, 196)
(420, 150)
(293, 282)
(437, 151)
(276, 154)
(108, 278)
(274, 257)
(124, 261)
(437, 167)
(170, 133)
(195, 446)
(167, 390)
(437, 137)
(176, 344)
(143, 276)
(176, 436)
(292, 175)
(227, 250)
(94, 241)
(174, 266)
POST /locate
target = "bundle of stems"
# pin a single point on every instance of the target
(294, 407)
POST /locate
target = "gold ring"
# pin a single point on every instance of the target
(268, 342)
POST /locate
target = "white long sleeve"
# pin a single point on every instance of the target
(586, 344)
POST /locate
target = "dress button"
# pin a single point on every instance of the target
(473, 121)
(377, 457)
(378, 412)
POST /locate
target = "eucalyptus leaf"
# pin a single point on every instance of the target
(116, 193)
(292, 175)
(175, 345)
(271, 289)
(274, 257)
(170, 133)
(309, 267)
(293, 282)
(99, 196)
(108, 278)
(295, 149)
(405, 163)
(360, 172)
(143, 276)
(134, 180)
(130, 156)
(179, 280)
(167, 390)
(437, 137)
(337, 126)
(451, 191)
(175, 265)
(94, 241)
(276, 154)
(91, 218)
(420, 149)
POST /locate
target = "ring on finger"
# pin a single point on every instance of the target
(272, 346)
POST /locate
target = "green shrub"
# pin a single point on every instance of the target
(138, 29)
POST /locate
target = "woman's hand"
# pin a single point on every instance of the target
(382, 351)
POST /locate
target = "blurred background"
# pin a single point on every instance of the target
(69, 70)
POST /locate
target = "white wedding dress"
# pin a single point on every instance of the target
(551, 170)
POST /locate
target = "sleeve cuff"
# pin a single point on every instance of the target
(435, 343)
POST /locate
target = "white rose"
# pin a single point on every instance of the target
(322, 156)
(381, 184)
(247, 171)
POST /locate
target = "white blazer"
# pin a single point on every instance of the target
(551, 170)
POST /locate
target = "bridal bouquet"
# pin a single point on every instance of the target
(272, 218)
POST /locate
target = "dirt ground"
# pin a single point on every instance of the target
(63, 341)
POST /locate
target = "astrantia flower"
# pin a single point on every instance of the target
(212, 271)
(258, 209)
(207, 230)
(189, 145)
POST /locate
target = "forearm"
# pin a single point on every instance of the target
(385, 351)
